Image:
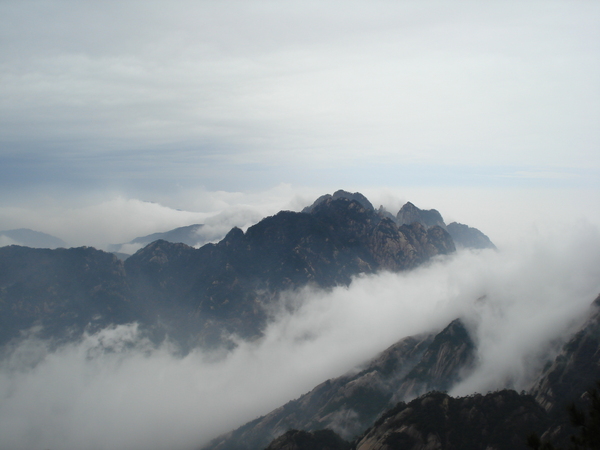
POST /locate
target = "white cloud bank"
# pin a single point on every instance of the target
(236, 94)
(114, 390)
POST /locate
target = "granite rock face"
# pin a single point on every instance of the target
(357, 196)
(425, 365)
(351, 403)
(466, 236)
(565, 381)
(409, 213)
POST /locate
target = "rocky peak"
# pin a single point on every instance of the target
(357, 196)
(233, 238)
(409, 213)
(385, 214)
(466, 236)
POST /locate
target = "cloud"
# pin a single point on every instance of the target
(111, 218)
(139, 93)
(113, 389)
(5, 240)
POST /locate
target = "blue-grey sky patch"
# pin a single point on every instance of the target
(300, 86)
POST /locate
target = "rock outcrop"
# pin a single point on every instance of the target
(499, 420)
(409, 213)
(466, 236)
(351, 403)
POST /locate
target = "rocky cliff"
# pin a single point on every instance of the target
(351, 403)
(497, 420)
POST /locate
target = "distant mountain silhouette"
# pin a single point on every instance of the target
(465, 236)
(30, 238)
(188, 235)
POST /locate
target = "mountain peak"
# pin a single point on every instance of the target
(466, 236)
(409, 214)
(357, 196)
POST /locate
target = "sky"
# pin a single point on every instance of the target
(200, 107)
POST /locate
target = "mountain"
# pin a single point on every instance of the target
(501, 419)
(351, 403)
(30, 238)
(498, 420)
(574, 370)
(409, 213)
(230, 283)
(465, 236)
(357, 196)
(65, 290)
(189, 235)
(201, 295)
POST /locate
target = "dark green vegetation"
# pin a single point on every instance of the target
(587, 424)
(306, 440)
(497, 420)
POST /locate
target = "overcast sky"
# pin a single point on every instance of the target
(149, 99)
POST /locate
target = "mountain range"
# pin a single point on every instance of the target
(354, 412)
(189, 235)
(197, 296)
(203, 296)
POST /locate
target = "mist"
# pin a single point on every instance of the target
(114, 389)
(103, 218)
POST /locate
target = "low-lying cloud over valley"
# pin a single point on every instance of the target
(114, 389)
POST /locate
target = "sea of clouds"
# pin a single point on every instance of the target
(114, 389)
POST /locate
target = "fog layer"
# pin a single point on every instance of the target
(114, 389)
